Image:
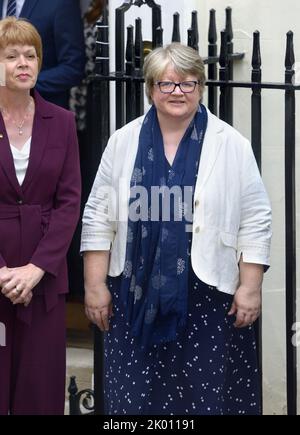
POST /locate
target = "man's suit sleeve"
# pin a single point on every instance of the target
(53, 247)
(70, 51)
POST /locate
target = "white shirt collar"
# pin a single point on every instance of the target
(20, 4)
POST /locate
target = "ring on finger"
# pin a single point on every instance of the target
(18, 289)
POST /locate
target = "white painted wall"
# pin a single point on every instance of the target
(273, 18)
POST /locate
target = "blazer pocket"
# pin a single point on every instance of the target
(229, 239)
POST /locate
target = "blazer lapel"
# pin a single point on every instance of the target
(39, 138)
(210, 150)
(27, 8)
(6, 158)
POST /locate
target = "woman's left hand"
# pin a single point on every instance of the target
(246, 306)
(20, 281)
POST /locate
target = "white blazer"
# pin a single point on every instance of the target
(232, 213)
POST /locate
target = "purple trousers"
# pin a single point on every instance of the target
(33, 359)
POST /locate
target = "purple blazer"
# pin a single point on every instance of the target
(38, 219)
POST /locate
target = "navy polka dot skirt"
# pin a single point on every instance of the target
(210, 369)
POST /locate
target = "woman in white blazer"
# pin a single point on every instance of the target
(176, 235)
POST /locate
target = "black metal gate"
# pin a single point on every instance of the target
(129, 104)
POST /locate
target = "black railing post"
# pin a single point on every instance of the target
(98, 372)
(212, 68)
(176, 28)
(73, 402)
(229, 32)
(193, 34)
(80, 399)
(290, 229)
(256, 146)
(138, 62)
(158, 37)
(129, 68)
(189, 37)
(102, 45)
(119, 56)
(98, 101)
(256, 100)
(224, 77)
(101, 93)
(103, 40)
(156, 18)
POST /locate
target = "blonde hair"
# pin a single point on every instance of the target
(19, 31)
(185, 61)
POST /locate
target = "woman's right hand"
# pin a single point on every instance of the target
(19, 282)
(98, 306)
(5, 277)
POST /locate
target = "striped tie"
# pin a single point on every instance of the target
(11, 8)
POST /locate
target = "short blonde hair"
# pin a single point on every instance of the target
(185, 61)
(19, 31)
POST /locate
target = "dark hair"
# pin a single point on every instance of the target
(95, 11)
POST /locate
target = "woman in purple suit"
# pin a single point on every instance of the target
(39, 209)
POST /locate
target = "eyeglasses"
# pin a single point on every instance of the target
(186, 87)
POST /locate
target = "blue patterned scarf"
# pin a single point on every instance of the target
(154, 283)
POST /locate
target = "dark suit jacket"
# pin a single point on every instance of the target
(60, 26)
(37, 219)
